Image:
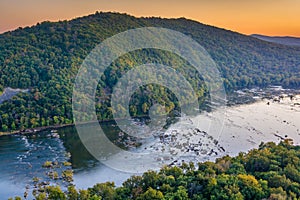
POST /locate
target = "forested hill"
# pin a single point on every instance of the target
(45, 59)
(285, 40)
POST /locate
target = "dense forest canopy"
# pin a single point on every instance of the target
(45, 59)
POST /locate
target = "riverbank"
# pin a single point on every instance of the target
(236, 98)
(35, 130)
(198, 139)
(43, 128)
(245, 127)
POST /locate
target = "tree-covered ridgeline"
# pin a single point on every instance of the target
(269, 172)
(45, 59)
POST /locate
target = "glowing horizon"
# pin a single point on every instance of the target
(266, 17)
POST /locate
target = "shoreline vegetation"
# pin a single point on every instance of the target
(42, 128)
(275, 98)
(263, 105)
(268, 172)
(34, 130)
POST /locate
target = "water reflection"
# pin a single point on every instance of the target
(81, 159)
(87, 170)
(22, 157)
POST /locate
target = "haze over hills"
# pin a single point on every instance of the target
(285, 40)
(45, 59)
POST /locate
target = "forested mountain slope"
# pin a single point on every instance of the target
(45, 59)
(285, 40)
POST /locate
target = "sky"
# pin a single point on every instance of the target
(268, 17)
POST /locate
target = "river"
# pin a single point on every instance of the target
(244, 127)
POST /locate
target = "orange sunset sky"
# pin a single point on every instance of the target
(269, 17)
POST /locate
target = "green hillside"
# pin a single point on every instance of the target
(45, 59)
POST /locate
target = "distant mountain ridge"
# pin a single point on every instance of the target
(285, 40)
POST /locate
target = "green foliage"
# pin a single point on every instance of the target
(47, 164)
(53, 175)
(151, 194)
(55, 193)
(104, 190)
(72, 193)
(180, 194)
(45, 59)
(67, 175)
(84, 195)
(227, 178)
(66, 163)
(16, 198)
(250, 187)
